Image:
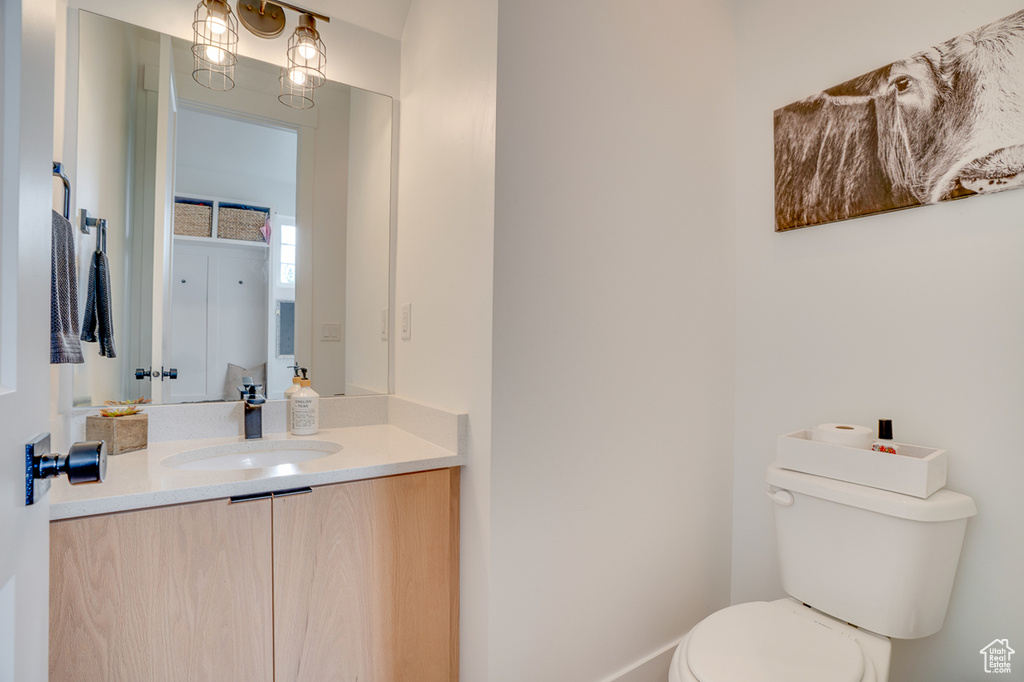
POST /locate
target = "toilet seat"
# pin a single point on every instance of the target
(780, 641)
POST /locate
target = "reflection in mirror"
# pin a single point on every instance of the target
(244, 237)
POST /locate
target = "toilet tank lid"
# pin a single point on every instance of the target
(942, 505)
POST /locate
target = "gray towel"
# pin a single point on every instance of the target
(64, 345)
(97, 325)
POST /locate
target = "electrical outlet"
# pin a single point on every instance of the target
(384, 324)
(406, 322)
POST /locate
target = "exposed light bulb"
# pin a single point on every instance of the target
(214, 54)
(306, 48)
(298, 77)
(216, 25)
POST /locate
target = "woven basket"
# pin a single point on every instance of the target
(193, 220)
(240, 223)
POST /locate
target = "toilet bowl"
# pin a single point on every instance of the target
(779, 641)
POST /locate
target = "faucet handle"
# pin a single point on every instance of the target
(251, 394)
(248, 388)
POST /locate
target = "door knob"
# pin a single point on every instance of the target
(169, 373)
(86, 462)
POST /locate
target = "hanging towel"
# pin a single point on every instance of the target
(97, 325)
(64, 345)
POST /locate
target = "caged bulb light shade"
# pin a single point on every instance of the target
(307, 54)
(307, 65)
(214, 45)
(296, 92)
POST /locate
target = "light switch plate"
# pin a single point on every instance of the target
(330, 331)
(406, 323)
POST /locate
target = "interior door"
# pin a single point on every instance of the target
(26, 194)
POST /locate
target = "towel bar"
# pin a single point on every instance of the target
(58, 170)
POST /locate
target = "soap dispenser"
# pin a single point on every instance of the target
(289, 392)
(304, 408)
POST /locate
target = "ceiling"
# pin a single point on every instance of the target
(380, 16)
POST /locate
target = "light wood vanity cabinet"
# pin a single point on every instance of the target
(354, 581)
(174, 593)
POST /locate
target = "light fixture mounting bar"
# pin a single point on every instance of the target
(300, 10)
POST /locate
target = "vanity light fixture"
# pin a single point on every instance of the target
(306, 67)
(214, 45)
(216, 39)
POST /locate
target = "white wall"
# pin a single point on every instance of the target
(917, 316)
(444, 259)
(613, 333)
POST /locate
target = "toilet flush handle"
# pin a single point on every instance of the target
(783, 498)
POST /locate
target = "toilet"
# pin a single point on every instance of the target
(861, 566)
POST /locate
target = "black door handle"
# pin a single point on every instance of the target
(86, 462)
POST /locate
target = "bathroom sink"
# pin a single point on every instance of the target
(255, 454)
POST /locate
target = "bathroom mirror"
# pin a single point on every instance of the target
(225, 211)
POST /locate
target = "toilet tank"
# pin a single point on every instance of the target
(873, 558)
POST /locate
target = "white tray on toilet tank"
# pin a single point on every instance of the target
(916, 470)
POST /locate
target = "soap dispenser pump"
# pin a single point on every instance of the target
(289, 392)
(304, 408)
(295, 382)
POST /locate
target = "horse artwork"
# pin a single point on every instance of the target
(943, 124)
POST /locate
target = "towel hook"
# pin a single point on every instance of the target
(85, 221)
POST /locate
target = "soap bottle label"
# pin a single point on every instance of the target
(304, 415)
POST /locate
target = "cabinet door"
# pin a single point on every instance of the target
(366, 581)
(174, 593)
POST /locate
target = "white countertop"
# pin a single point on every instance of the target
(137, 480)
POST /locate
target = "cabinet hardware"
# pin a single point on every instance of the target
(250, 498)
(293, 491)
(268, 495)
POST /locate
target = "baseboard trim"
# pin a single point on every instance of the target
(652, 668)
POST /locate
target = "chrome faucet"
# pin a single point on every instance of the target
(253, 401)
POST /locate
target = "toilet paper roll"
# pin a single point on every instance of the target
(849, 435)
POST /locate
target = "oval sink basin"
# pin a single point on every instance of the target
(257, 454)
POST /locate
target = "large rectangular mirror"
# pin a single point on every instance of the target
(243, 236)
